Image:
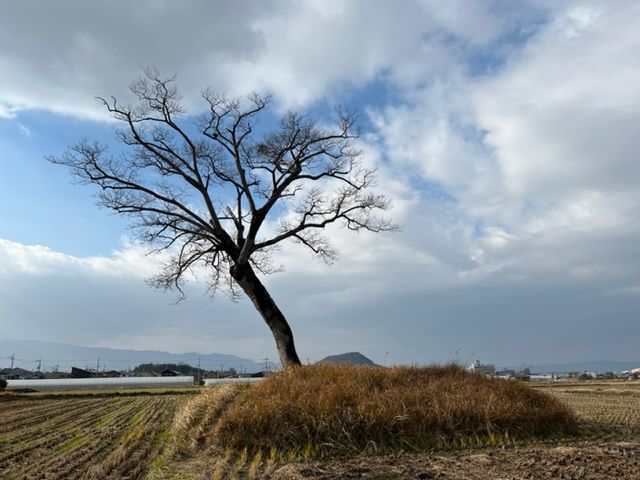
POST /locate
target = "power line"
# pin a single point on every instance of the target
(143, 360)
(37, 363)
(196, 363)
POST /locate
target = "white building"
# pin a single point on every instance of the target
(483, 368)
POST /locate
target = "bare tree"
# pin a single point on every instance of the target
(210, 190)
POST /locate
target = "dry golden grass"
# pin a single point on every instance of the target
(328, 409)
(194, 419)
(607, 411)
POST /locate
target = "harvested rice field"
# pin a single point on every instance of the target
(81, 436)
(154, 436)
(607, 447)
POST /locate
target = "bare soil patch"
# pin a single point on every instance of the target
(588, 461)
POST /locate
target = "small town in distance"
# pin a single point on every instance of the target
(184, 374)
(526, 374)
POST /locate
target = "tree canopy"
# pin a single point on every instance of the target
(217, 190)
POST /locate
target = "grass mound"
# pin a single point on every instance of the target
(327, 409)
(195, 418)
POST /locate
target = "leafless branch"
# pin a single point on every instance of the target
(203, 191)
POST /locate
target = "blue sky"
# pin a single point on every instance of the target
(505, 134)
(45, 206)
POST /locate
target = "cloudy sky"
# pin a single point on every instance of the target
(506, 133)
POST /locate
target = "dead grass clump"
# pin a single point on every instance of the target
(194, 419)
(326, 409)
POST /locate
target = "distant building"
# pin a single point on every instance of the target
(482, 368)
(170, 373)
(81, 373)
(8, 374)
(18, 374)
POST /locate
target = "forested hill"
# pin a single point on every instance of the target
(351, 358)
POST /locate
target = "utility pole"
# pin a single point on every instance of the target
(266, 364)
(98, 367)
(39, 365)
(13, 357)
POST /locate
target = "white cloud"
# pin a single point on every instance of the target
(6, 112)
(300, 51)
(541, 148)
(85, 50)
(564, 111)
(24, 130)
(318, 45)
(516, 187)
(131, 260)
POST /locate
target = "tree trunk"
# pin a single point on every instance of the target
(277, 323)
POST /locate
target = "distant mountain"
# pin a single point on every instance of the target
(599, 366)
(29, 352)
(352, 358)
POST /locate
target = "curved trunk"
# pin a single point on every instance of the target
(246, 278)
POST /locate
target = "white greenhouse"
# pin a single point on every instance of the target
(93, 383)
